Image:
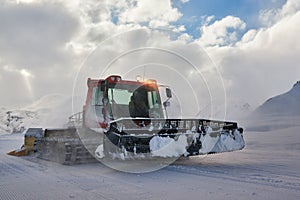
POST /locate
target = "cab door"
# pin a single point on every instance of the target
(95, 110)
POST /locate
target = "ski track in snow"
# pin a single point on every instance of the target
(245, 175)
(268, 168)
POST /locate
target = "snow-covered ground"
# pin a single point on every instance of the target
(268, 168)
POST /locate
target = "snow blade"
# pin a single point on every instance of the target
(140, 137)
(31, 138)
(18, 152)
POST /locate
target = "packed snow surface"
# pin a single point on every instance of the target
(268, 168)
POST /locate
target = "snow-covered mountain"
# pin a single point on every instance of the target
(50, 111)
(287, 104)
(278, 112)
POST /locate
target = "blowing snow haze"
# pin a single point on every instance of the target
(43, 45)
(50, 111)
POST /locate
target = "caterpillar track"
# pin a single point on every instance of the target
(66, 147)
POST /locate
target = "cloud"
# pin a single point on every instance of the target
(24, 72)
(50, 40)
(272, 16)
(16, 84)
(100, 19)
(265, 62)
(32, 34)
(155, 55)
(291, 7)
(184, 1)
(33, 39)
(156, 13)
(221, 32)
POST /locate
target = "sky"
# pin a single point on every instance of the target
(213, 51)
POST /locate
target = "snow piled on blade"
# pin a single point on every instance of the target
(99, 153)
(216, 143)
(168, 147)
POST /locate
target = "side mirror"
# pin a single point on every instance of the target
(102, 86)
(166, 104)
(169, 92)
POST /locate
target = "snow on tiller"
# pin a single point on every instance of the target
(144, 137)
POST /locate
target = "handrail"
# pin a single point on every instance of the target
(76, 119)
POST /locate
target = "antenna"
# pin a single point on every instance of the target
(144, 73)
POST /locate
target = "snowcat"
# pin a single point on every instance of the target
(125, 119)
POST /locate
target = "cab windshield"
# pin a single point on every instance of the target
(134, 101)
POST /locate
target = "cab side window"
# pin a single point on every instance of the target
(97, 96)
